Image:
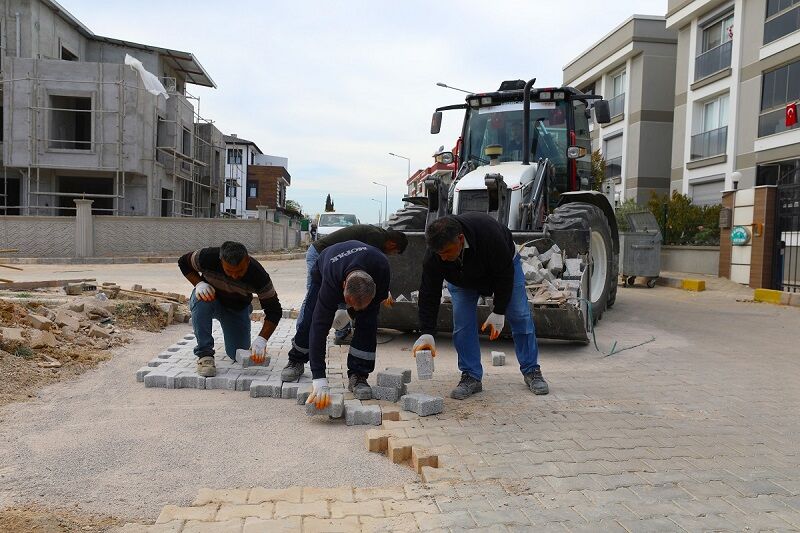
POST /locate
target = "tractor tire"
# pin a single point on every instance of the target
(612, 295)
(603, 260)
(411, 218)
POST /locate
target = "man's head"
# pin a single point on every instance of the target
(359, 290)
(396, 242)
(235, 259)
(446, 238)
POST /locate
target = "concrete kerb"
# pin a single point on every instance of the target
(126, 260)
(771, 296)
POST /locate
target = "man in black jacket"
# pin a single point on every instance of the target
(225, 280)
(476, 255)
(350, 273)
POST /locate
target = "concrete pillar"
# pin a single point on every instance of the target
(725, 247)
(84, 229)
(264, 227)
(763, 228)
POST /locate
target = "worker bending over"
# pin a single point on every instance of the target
(225, 280)
(357, 275)
(477, 257)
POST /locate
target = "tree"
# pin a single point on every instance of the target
(292, 205)
(598, 170)
(328, 204)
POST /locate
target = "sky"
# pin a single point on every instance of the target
(337, 86)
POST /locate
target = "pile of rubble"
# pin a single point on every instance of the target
(550, 277)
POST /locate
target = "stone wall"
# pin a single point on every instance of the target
(38, 236)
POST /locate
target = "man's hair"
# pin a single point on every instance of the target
(232, 252)
(442, 232)
(399, 238)
(360, 286)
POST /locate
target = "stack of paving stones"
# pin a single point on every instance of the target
(391, 384)
(175, 368)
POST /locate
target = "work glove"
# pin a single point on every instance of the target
(321, 394)
(258, 349)
(425, 342)
(495, 324)
(341, 319)
(205, 292)
(389, 301)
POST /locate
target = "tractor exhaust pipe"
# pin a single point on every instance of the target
(526, 120)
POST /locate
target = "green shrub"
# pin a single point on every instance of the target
(681, 222)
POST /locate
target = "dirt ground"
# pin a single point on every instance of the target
(41, 520)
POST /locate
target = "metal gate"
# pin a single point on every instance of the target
(787, 265)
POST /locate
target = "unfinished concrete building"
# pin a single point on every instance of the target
(78, 123)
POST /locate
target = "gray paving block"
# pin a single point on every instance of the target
(425, 365)
(142, 372)
(303, 392)
(334, 410)
(189, 337)
(356, 414)
(274, 386)
(406, 373)
(243, 381)
(289, 390)
(572, 268)
(422, 404)
(161, 378)
(222, 381)
(498, 359)
(391, 378)
(164, 355)
(245, 357)
(155, 362)
(190, 380)
(260, 389)
(174, 348)
(390, 394)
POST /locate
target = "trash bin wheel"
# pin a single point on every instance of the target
(651, 282)
(630, 280)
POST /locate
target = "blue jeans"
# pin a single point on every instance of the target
(518, 316)
(311, 257)
(235, 326)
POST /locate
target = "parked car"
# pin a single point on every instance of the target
(327, 223)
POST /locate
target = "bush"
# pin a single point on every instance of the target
(681, 222)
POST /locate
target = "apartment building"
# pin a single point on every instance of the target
(633, 67)
(738, 67)
(252, 178)
(267, 180)
(78, 123)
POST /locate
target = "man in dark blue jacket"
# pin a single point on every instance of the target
(476, 255)
(356, 274)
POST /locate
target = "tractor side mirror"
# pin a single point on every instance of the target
(602, 114)
(436, 122)
(444, 157)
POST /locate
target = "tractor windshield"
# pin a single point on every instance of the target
(502, 125)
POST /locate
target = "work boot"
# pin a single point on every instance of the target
(292, 371)
(536, 382)
(359, 387)
(466, 387)
(205, 366)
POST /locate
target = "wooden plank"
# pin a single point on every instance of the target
(9, 266)
(9, 251)
(150, 294)
(23, 285)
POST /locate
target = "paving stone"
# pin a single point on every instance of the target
(334, 410)
(190, 380)
(243, 381)
(356, 414)
(331, 525)
(245, 358)
(425, 364)
(316, 494)
(260, 388)
(399, 523)
(161, 378)
(289, 389)
(142, 372)
(173, 512)
(422, 404)
(391, 378)
(233, 496)
(303, 392)
(405, 372)
(261, 494)
(318, 509)
(164, 355)
(291, 524)
(390, 394)
(229, 511)
(498, 359)
(223, 380)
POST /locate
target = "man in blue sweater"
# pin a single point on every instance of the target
(357, 275)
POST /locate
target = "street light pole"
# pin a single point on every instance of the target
(386, 197)
(380, 209)
(408, 160)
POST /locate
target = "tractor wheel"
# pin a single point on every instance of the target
(603, 262)
(411, 218)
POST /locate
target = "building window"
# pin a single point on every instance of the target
(616, 103)
(252, 157)
(707, 191)
(783, 18)
(187, 142)
(234, 156)
(70, 122)
(66, 55)
(778, 87)
(252, 189)
(715, 47)
(613, 156)
(712, 139)
(230, 189)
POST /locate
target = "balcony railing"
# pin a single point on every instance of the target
(613, 167)
(709, 143)
(713, 61)
(616, 106)
(772, 122)
(781, 25)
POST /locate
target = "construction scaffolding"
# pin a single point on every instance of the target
(108, 139)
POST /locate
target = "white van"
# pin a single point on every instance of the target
(327, 223)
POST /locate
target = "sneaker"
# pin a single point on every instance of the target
(536, 382)
(359, 387)
(205, 367)
(292, 371)
(466, 387)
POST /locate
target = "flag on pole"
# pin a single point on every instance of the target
(791, 114)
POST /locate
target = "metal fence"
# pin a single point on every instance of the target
(788, 235)
(712, 61)
(709, 143)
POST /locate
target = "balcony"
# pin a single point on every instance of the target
(783, 24)
(614, 167)
(772, 122)
(713, 61)
(616, 106)
(709, 143)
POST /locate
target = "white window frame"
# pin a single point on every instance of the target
(720, 123)
(614, 77)
(724, 33)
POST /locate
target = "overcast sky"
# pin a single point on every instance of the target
(336, 86)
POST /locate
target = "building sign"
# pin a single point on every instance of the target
(740, 235)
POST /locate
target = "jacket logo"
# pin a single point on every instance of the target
(348, 252)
